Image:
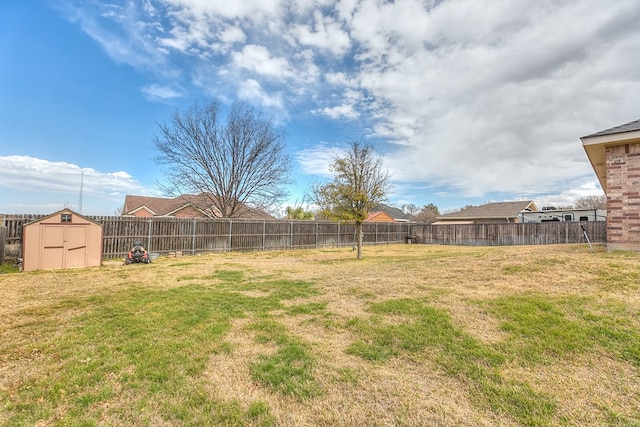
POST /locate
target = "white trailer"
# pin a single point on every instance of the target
(563, 215)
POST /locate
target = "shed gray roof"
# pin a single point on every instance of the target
(627, 127)
(492, 210)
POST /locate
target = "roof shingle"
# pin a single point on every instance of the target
(491, 210)
(627, 127)
(161, 206)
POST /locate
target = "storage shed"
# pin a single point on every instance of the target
(64, 239)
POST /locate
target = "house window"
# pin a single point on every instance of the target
(65, 218)
(584, 218)
(568, 217)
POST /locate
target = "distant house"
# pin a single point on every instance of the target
(490, 213)
(379, 216)
(184, 206)
(564, 215)
(615, 156)
(394, 213)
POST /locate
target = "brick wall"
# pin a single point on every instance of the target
(623, 197)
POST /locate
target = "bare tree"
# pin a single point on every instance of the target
(592, 202)
(236, 164)
(359, 183)
(411, 209)
(428, 213)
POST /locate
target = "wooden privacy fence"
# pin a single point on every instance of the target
(190, 236)
(499, 234)
(164, 235)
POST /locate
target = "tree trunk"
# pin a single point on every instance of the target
(359, 239)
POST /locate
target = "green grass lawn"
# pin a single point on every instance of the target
(411, 335)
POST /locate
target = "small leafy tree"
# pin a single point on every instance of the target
(298, 213)
(359, 183)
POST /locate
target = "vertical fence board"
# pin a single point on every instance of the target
(3, 240)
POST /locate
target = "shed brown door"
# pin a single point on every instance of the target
(76, 246)
(64, 246)
(52, 255)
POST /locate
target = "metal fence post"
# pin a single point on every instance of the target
(230, 234)
(377, 234)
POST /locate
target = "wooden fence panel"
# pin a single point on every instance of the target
(347, 234)
(546, 233)
(211, 236)
(304, 234)
(14, 223)
(247, 235)
(328, 234)
(277, 235)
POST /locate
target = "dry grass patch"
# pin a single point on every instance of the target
(410, 335)
(595, 389)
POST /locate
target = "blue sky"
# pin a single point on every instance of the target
(467, 101)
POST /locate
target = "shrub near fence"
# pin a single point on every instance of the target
(164, 234)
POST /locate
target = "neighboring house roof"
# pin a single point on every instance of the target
(160, 206)
(393, 212)
(500, 210)
(596, 145)
(379, 216)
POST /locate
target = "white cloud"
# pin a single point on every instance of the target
(315, 160)
(156, 92)
(325, 33)
(567, 197)
(339, 111)
(486, 110)
(27, 173)
(258, 59)
(136, 41)
(478, 97)
(252, 91)
(233, 34)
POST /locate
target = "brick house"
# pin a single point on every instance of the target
(184, 206)
(615, 156)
